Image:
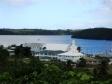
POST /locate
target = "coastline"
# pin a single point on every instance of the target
(90, 38)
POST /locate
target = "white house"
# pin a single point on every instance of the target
(35, 46)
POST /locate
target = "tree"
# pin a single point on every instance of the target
(101, 71)
(69, 65)
(4, 54)
(103, 68)
(50, 74)
(23, 51)
(82, 62)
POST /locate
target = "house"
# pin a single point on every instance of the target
(35, 47)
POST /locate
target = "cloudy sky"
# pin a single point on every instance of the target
(55, 14)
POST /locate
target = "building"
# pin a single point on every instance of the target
(61, 52)
(72, 53)
(46, 49)
(35, 47)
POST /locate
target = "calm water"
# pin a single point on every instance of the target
(88, 46)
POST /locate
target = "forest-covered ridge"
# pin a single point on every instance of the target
(94, 33)
(90, 33)
(34, 32)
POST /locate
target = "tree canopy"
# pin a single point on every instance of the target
(94, 33)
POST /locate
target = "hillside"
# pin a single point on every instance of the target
(33, 32)
(95, 33)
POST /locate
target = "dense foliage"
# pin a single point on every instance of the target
(30, 70)
(95, 33)
(21, 51)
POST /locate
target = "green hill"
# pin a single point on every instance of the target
(94, 33)
(33, 32)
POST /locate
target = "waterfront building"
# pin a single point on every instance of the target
(72, 53)
(61, 52)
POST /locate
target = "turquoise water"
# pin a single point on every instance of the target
(87, 46)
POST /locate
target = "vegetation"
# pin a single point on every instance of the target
(30, 70)
(91, 33)
(95, 33)
(22, 51)
(82, 62)
(34, 32)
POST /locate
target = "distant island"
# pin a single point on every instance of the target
(91, 33)
(34, 32)
(94, 33)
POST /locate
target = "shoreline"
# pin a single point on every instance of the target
(90, 38)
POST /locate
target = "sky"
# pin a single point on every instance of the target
(55, 14)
